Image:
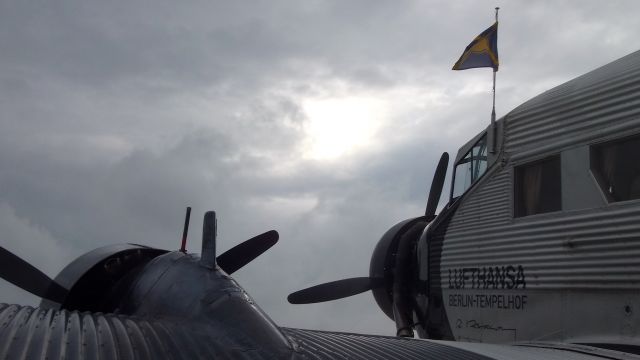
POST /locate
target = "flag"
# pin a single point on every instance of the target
(482, 52)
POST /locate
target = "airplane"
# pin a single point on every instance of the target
(534, 256)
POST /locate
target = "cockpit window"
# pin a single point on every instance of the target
(617, 169)
(470, 168)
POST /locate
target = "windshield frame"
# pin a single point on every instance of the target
(466, 155)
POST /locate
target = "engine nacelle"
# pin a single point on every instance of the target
(95, 279)
(383, 263)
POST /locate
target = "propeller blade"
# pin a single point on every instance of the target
(242, 254)
(334, 290)
(436, 186)
(27, 277)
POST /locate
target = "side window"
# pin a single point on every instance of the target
(617, 169)
(470, 168)
(537, 187)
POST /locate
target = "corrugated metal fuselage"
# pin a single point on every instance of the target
(567, 275)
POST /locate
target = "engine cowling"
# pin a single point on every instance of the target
(95, 279)
(384, 265)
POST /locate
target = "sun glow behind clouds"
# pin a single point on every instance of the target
(338, 126)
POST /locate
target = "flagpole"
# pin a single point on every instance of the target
(493, 109)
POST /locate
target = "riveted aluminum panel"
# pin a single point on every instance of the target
(28, 333)
(320, 345)
(582, 249)
(550, 351)
(580, 270)
(488, 207)
(599, 104)
(574, 273)
(311, 344)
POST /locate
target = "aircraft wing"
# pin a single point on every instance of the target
(34, 333)
(313, 344)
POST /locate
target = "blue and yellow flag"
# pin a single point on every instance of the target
(482, 52)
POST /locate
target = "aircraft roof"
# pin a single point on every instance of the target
(578, 110)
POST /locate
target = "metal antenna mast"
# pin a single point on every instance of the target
(493, 109)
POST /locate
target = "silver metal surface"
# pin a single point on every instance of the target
(549, 351)
(580, 266)
(310, 344)
(209, 234)
(28, 333)
(600, 104)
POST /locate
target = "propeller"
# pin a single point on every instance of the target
(334, 290)
(352, 286)
(436, 186)
(27, 277)
(24, 275)
(240, 255)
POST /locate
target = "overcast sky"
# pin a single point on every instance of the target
(323, 120)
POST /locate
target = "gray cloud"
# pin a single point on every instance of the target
(114, 117)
